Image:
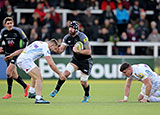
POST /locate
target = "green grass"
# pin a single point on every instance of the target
(104, 94)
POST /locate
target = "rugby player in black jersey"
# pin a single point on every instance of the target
(81, 59)
(14, 39)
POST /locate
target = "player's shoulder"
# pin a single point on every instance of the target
(3, 30)
(17, 29)
(81, 34)
(66, 36)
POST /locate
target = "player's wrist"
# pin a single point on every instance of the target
(125, 98)
(145, 97)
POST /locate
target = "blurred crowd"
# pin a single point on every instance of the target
(121, 20)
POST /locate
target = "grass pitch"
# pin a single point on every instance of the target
(104, 94)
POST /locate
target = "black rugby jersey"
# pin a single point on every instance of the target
(14, 39)
(69, 40)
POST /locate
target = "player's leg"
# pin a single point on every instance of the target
(69, 69)
(35, 73)
(157, 94)
(85, 67)
(20, 81)
(86, 87)
(32, 92)
(9, 83)
(154, 99)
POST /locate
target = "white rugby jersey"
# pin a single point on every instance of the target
(142, 71)
(34, 51)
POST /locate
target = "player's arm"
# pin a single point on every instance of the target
(24, 38)
(53, 65)
(148, 87)
(61, 49)
(86, 51)
(1, 39)
(16, 53)
(126, 90)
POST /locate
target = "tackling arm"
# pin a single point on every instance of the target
(53, 65)
(9, 57)
(61, 49)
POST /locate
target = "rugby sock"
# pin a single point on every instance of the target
(86, 89)
(38, 97)
(157, 93)
(59, 84)
(154, 99)
(31, 90)
(9, 82)
(20, 81)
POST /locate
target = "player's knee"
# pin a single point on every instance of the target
(84, 77)
(8, 74)
(69, 69)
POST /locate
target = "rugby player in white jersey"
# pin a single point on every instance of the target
(25, 61)
(143, 73)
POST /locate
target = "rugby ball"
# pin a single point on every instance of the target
(79, 45)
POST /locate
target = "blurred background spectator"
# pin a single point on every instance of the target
(120, 20)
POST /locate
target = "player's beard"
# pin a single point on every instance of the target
(72, 33)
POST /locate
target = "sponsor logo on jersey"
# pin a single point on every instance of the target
(24, 34)
(141, 75)
(85, 70)
(48, 52)
(5, 35)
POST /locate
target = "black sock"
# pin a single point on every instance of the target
(59, 84)
(9, 82)
(20, 81)
(86, 89)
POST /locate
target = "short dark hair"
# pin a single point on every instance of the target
(124, 66)
(8, 19)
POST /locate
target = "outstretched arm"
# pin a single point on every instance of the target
(126, 90)
(53, 65)
(9, 57)
(60, 49)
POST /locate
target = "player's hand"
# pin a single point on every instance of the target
(143, 101)
(1, 49)
(62, 77)
(75, 50)
(9, 57)
(122, 101)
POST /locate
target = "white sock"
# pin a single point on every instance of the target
(38, 97)
(154, 99)
(31, 90)
(157, 93)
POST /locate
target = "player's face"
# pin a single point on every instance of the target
(127, 72)
(53, 47)
(72, 31)
(9, 25)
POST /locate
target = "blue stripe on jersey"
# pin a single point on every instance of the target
(34, 50)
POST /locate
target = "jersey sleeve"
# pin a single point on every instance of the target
(23, 37)
(85, 41)
(46, 50)
(65, 40)
(1, 37)
(142, 74)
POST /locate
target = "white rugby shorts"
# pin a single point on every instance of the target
(26, 65)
